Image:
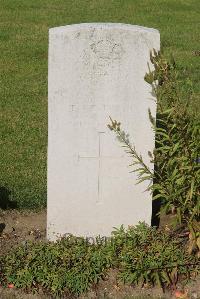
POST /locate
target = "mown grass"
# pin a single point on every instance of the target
(24, 28)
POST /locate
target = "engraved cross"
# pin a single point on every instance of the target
(99, 160)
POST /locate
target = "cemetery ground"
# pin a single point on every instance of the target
(24, 41)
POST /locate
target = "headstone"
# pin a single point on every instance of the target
(97, 70)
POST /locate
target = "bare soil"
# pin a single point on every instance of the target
(18, 227)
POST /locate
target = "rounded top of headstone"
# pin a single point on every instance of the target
(81, 26)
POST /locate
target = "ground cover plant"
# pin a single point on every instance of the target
(141, 255)
(23, 74)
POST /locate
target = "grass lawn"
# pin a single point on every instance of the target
(24, 28)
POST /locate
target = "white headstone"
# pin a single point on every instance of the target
(95, 71)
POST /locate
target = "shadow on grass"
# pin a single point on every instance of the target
(5, 202)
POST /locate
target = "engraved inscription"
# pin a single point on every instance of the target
(107, 49)
(101, 54)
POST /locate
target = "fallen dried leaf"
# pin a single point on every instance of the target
(11, 286)
(181, 295)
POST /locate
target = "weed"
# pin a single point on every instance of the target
(176, 176)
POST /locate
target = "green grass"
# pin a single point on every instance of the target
(24, 28)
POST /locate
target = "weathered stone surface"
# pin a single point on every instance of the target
(97, 71)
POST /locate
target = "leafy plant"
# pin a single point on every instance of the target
(176, 176)
(150, 256)
(73, 265)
